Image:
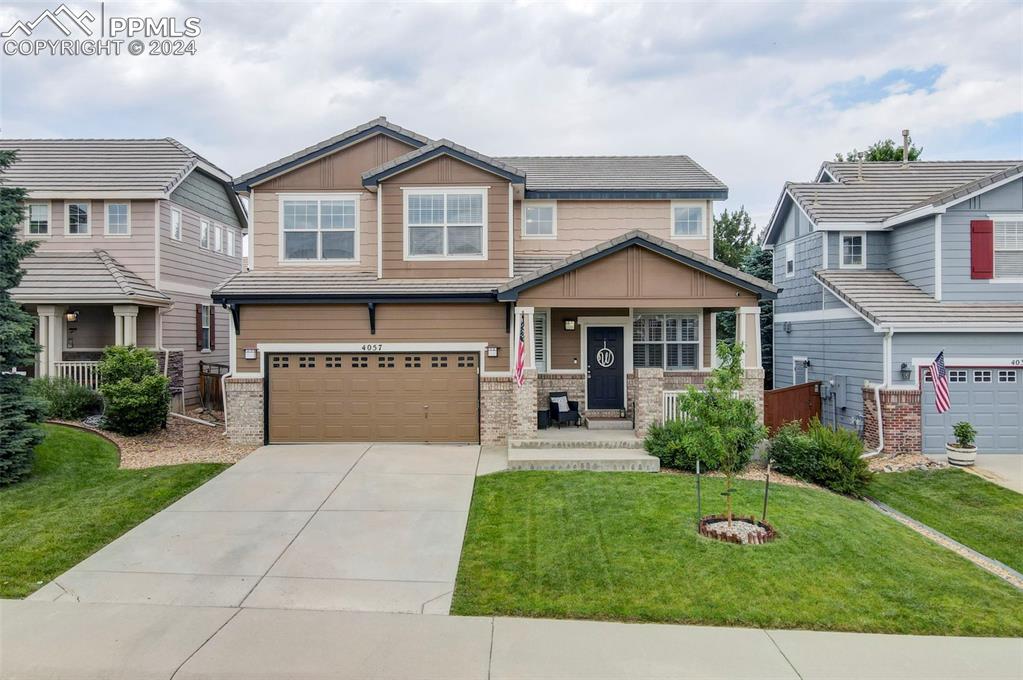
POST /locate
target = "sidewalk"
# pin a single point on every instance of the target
(110, 641)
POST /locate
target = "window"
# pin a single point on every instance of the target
(175, 225)
(686, 221)
(37, 219)
(1009, 249)
(790, 260)
(800, 369)
(982, 376)
(218, 239)
(450, 223)
(927, 375)
(957, 376)
(230, 242)
(118, 219)
(205, 334)
(668, 341)
(852, 255)
(539, 220)
(77, 219)
(540, 341)
(1006, 376)
(316, 228)
(204, 234)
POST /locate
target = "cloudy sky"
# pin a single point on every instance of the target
(758, 93)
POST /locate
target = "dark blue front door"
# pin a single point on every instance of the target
(605, 367)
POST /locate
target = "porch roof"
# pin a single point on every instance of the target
(83, 277)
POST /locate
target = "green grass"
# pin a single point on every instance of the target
(622, 546)
(975, 512)
(77, 501)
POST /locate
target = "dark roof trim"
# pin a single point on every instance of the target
(442, 150)
(576, 194)
(359, 298)
(313, 155)
(512, 294)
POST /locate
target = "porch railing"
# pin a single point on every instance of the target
(671, 404)
(84, 373)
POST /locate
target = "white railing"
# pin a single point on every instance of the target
(84, 373)
(671, 404)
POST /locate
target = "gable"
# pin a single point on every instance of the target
(210, 197)
(444, 170)
(341, 169)
(1005, 197)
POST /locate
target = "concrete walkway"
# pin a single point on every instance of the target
(70, 640)
(1004, 469)
(354, 527)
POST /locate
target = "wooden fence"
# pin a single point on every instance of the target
(210, 394)
(797, 403)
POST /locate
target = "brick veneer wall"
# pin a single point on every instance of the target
(648, 404)
(244, 399)
(507, 410)
(900, 418)
(575, 385)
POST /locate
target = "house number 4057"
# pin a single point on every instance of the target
(372, 347)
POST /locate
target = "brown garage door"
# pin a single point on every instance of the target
(373, 397)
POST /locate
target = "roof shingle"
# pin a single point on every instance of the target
(84, 276)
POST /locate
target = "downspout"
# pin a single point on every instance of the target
(886, 367)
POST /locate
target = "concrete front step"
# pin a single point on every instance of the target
(619, 442)
(608, 424)
(609, 460)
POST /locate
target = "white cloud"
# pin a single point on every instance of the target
(746, 89)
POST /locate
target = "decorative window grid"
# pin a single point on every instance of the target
(668, 341)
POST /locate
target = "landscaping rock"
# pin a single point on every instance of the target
(904, 462)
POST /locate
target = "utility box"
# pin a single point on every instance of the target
(840, 393)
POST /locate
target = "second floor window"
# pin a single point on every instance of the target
(37, 219)
(230, 242)
(218, 239)
(1009, 249)
(853, 252)
(687, 221)
(204, 234)
(539, 220)
(78, 219)
(175, 225)
(117, 219)
(668, 341)
(790, 260)
(449, 223)
(319, 228)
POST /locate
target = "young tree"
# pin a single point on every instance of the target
(882, 150)
(18, 411)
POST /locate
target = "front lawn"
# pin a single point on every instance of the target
(622, 546)
(77, 501)
(975, 512)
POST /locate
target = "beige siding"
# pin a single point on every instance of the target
(184, 263)
(446, 171)
(179, 333)
(395, 323)
(341, 172)
(583, 224)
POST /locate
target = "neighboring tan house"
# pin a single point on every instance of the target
(132, 236)
(391, 275)
(884, 265)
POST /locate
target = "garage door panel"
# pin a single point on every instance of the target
(374, 397)
(994, 406)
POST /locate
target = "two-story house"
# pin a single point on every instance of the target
(132, 236)
(394, 280)
(883, 266)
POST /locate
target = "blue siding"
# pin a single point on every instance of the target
(911, 253)
(801, 292)
(907, 346)
(206, 196)
(877, 249)
(955, 246)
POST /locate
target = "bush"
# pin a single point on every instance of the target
(965, 434)
(137, 397)
(831, 458)
(65, 399)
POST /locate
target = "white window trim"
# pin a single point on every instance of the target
(698, 313)
(49, 219)
(181, 224)
(67, 218)
(995, 219)
(790, 256)
(704, 225)
(842, 264)
(328, 196)
(229, 240)
(406, 192)
(545, 340)
(106, 219)
(553, 205)
(206, 323)
(218, 238)
(205, 224)
(797, 363)
(1006, 373)
(986, 372)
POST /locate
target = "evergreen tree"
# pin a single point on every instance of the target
(759, 262)
(733, 237)
(18, 411)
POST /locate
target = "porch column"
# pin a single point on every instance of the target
(523, 313)
(126, 324)
(747, 334)
(48, 342)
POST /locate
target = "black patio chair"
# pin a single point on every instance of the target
(571, 416)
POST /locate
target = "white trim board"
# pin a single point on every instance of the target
(264, 348)
(817, 315)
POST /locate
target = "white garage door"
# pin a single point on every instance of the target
(989, 398)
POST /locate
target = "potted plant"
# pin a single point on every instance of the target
(963, 451)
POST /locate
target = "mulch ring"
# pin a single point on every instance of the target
(181, 442)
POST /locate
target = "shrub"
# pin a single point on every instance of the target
(65, 399)
(965, 434)
(137, 397)
(831, 458)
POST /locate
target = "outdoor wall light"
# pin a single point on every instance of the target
(492, 350)
(250, 352)
(72, 316)
(787, 326)
(569, 324)
(905, 372)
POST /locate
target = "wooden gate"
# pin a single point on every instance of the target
(210, 394)
(797, 403)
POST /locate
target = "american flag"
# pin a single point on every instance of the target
(520, 356)
(939, 376)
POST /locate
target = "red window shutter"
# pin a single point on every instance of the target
(198, 327)
(213, 328)
(982, 249)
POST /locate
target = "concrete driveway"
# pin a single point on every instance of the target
(1004, 469)
(357, 527)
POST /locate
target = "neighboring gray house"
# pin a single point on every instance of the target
(133, 234)
(882, 266)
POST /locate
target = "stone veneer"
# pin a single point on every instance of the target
(176, 374)
(900, 419)
(244, 415)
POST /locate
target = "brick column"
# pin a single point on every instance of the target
(648, 402)
(523, 422)
(900, 420)
(244, 404)
(495, 409)
(753, 389)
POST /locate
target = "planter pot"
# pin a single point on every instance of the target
(961, 456)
